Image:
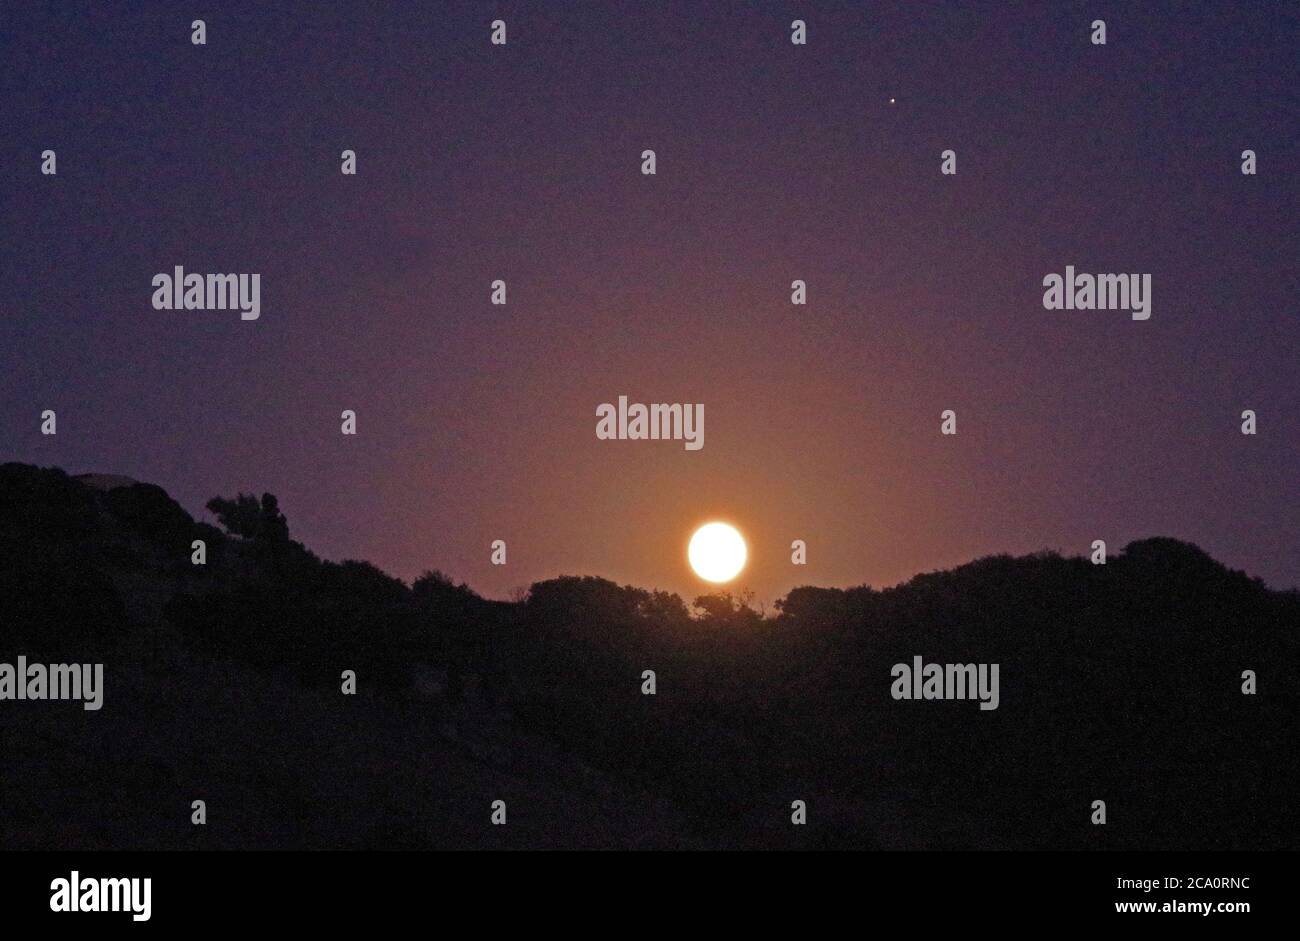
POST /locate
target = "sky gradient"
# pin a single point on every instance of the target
(775, 162)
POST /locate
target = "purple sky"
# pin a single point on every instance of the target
(775, 162)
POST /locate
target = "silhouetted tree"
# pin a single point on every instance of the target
(275, 527)
(724, 609)
(250, 518)
(241, 516)
(1120, 681)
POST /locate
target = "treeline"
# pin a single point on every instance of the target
(1120, 682)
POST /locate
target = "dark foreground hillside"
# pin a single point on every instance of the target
(1119, 682)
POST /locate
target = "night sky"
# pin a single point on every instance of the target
(775, 162)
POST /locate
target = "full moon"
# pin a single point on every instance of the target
(717, 552)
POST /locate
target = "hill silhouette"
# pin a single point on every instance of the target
(1119, 682)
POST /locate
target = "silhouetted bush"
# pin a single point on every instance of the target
(1118, 682)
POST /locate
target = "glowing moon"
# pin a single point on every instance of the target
(717, 552)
